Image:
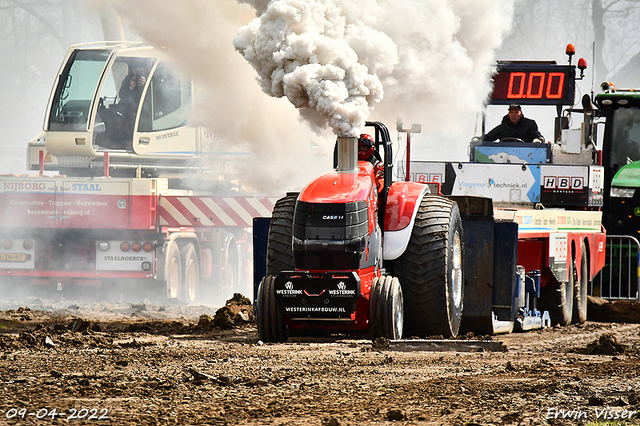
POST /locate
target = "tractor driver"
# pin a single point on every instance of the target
(515, 126)
(367, 152)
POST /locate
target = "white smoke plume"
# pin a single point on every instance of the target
(301, 50)
(426, 61)
(432, 57)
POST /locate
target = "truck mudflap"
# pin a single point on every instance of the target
(325, 295)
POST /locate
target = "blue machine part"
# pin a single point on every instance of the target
(503, 182)
(510, 152)
(260, 240)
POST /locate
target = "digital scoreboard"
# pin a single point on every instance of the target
(533, 84)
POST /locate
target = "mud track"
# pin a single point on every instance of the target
(142, 364)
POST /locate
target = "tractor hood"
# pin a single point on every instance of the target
(628, 176)
(334, 187)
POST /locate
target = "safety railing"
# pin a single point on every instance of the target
(620, 278)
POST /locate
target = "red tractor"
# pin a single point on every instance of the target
(356, 252)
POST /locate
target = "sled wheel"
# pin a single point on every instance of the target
(430, 270)
(279, 249)
(271, 324)
(191, 273)
(172, 271)
(558, 300)
(580, 287)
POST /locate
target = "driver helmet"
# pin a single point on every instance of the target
(365, 147)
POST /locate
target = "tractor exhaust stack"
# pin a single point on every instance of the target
(347, 154)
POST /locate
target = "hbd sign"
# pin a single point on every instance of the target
(564, 182)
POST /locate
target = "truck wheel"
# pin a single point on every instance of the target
(279, 250)
(231, 275)
(431, 270)
(386, 308)
(191, 273)
(172, 271)
(580, 288)
(271, 324)
(558, 300)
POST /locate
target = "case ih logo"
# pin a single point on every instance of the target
(24, 186)
(563, 182)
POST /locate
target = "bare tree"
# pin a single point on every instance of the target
(34, 36)
(606, 32)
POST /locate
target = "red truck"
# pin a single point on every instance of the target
(128, 206)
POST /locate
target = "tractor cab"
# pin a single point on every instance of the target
(620, 110)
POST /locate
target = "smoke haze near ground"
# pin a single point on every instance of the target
(198, 35)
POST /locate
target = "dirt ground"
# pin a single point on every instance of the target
(69, 362)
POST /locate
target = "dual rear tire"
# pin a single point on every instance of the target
(567, 302)
(181, 273)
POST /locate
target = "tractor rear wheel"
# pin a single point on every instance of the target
(431, 270)
(386, 308)
(271, 325)
(279, 249)
(580, 287)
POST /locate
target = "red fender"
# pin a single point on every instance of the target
(403, 201)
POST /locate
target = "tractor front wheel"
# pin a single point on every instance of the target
(386, 308)
(271, 324)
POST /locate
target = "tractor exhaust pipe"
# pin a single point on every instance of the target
(347, 154)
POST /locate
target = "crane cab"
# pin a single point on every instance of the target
(125, 99)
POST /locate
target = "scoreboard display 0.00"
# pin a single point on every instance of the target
(533, 84)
